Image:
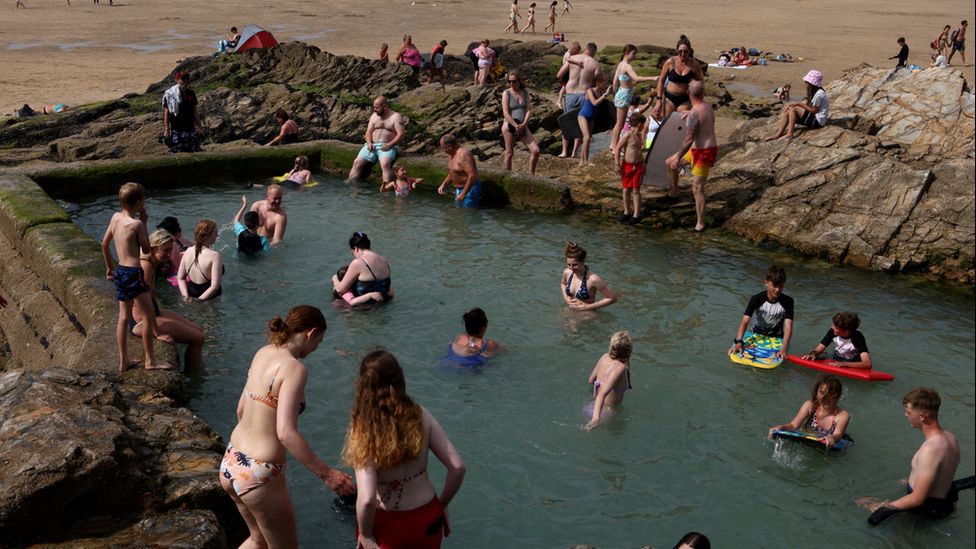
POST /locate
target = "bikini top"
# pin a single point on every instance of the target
(676, 78)
(815, 425)
(620, 391)
(270, 399)
(583, 292)
(395, 487)
(623, 77)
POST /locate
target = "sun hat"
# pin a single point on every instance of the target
(814, 78)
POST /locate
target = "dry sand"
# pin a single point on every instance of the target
(52, 52)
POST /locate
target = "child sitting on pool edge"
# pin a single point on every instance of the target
(611, 377)
(850, 348)
(403, 184)
(249, 242)
(300, 174)
(351, 298)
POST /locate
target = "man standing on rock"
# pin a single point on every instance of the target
(462, 172)
(273, 219)
(384, 132)
(698, 150)
(582, 69)
(181, 119)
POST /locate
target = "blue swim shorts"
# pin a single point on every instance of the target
(623, 98)
(372, 156)
(129, 282)
(472, 199)
(573, 101)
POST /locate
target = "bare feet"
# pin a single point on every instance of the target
(772, 138)
(699, 228)
(785, 137)
(159, 366)
(123, 366)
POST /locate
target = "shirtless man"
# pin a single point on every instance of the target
(462, 172)
(383, 132)
(930, 490)
(273, 218)
(582, 69)
(698, 150)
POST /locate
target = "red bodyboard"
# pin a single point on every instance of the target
(856, 373)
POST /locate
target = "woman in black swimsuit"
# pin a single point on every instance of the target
(367, 272)
(679, 71)
(201, 267)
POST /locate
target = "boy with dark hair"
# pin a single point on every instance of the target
(902, 55)
(771, 313)
(850, 348)
(249, 242)
(128, 229)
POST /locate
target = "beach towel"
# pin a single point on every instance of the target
(171, 100)
(737, 67)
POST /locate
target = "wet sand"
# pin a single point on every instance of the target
(52, 52)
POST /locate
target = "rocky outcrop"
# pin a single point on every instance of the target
(889, 185)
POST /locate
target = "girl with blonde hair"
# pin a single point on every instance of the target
(611, 377)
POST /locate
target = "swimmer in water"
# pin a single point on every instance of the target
(403, 183)
(611, 377)
(473, 343)
(351, 299)
(821, 415)
(580, 287)
(300, 174)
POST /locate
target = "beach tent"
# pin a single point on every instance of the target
(255, 37)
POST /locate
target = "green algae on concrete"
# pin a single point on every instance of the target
(23, 205)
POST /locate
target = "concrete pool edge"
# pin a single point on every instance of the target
(89, 443)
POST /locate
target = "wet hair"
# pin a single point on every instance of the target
(475, 320)
(776, 275)
(171, 224)
(399, 168)
(387, 427)
(620, 346)
(359, 240)
(301, 162)
(847, 320)
(299, 319)
(575, 251)
(131, 194)
(340, 274)
(203, 229)
(627, 49)
(834, 388)
(280, 114)
(160, 237)
(249, 242)
(923, 398)
(694, 540)
(251, 220)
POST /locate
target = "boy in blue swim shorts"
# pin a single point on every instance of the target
(128, 229)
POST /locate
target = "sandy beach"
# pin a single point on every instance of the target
(51, 52)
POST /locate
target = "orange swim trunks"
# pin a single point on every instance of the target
(701, 160)
(631, 174)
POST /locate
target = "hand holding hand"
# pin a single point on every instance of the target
(340, 483)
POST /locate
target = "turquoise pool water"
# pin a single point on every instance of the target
(688, 450)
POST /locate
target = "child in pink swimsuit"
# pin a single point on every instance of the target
(402, 185)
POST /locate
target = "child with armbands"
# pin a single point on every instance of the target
(350, 298)
(850, 348)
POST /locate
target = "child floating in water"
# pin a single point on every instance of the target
(611, 377)
(821, 415)
(403, 184)
(249, 242)
(299, 175)
(351, 298)
(850, 348)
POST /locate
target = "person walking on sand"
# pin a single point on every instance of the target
(552, 17)
(566, 7)
(20, 4)
(698, 150)
(958, 38)
(530, 19)
(384, 131)
(513, 16)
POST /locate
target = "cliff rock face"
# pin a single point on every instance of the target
(889, 184)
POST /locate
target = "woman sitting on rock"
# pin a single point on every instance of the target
(813, 112)
(289, 129)
(516, 110)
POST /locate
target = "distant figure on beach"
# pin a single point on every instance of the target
(462, 172)
(249, 242)
(472, 347)
(171, 326)
(741, 58)
(699, 150)
(770, 311)
(566, 7)
(693, 540)
(403, 183)
(902, 55)
(676, 74)
(943, 42)
(288, 132)
(127, 229)
(229, 41)
(624, 78)
(388, 443)
(930, 490)
(202, 268)
(252, 471)
(367, 272)
(384, 55)
(958, 38)
(850, 347)
(409, 54)
(181, 119)
(436, 64)
(513, 17)
(300, 174)
(628, 163)
(579, 287)
(582, 69)
(272, 215)
(552, 17)
(53, 108)
(530, 19)
(516, 110)
(813, 112)
(592, 100)
(820, 415)
(486, 58)
(610, 378)
(20, 4)
(384, 131)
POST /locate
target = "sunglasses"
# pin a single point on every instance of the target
(682, 52)
(512, 81)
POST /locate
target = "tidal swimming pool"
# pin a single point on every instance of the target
(688, 449)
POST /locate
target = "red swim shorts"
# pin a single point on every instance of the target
(701, 160)
(631, 174)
